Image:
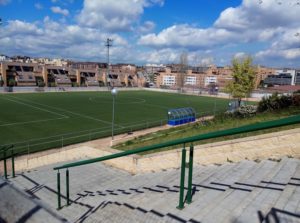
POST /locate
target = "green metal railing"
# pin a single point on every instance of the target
(184, 142)
(5, 156)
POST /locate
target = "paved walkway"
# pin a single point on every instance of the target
(105, 143)
(16, 206)
(268, 191)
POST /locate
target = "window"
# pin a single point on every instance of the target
(14, 68)
(169, 80)
(27, 69)
(61, 71)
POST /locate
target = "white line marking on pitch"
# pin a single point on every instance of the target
(36, 121)
(74, 113)
(45, 110)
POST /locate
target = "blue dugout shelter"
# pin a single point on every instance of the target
(181, 116)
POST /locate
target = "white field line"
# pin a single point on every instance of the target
(36, 121)
(74, 113)
(38, 108)
(141, 100)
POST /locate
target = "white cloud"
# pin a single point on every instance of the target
(275, 25)
(4, 2)
(147, 27)
(113, 15)
(59, 10)
(240, 55)
(53, 39)
(286, 46)
(38, 6)
(252, 14)
(187, 36)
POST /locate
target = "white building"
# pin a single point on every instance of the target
(210, 80)
(169, 80)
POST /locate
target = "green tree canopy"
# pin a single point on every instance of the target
(243, 74)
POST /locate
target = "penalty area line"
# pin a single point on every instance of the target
(41, 109)
(71, 112)
(29, 122)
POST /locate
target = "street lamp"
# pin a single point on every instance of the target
(114, 92)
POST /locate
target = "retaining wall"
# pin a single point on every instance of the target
(271, 145)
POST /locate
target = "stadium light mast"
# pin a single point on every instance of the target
(108, 44)
(114, 92)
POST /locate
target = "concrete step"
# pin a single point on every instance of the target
(263, 198)
(205, 192)
(216, 205)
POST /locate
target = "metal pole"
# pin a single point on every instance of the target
(58, 191)
(27, 154)
(5, 167)
(113, 119)
(13, 163)
(67, 187)
(215, 107)
(108, 44)
(106, 76)
(190, 180)
(182, 177)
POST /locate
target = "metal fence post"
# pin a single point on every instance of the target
(4, 162)
(182, 177)
(58, 191)
(190, 180)
(13, 163)
(67, 187)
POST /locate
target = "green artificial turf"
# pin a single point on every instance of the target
(38, 121)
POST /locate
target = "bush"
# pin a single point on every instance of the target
(11, 82)
(101, 84)
(246, 111)
(41, 83)
(75, 84)
(296, 100)
(52, 84)
(275, 102)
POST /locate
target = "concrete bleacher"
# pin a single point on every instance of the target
(248, 191)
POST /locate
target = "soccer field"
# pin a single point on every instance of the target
(38, 121)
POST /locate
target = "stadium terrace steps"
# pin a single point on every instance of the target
(247, 191)
(16, 206)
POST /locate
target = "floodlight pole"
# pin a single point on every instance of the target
(108, 44)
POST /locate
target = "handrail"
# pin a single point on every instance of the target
(233, 131)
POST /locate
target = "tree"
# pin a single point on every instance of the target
(243, 74)
(183, 65)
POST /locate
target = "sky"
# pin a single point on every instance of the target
(154, 31)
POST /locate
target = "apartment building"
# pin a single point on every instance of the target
(173, 77)
(89, 73)
(19, 74)
(124, 75)
(283, 77)
(261, 74)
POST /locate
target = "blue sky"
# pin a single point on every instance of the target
(154, 31)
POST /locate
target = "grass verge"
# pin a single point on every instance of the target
(220, 122)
